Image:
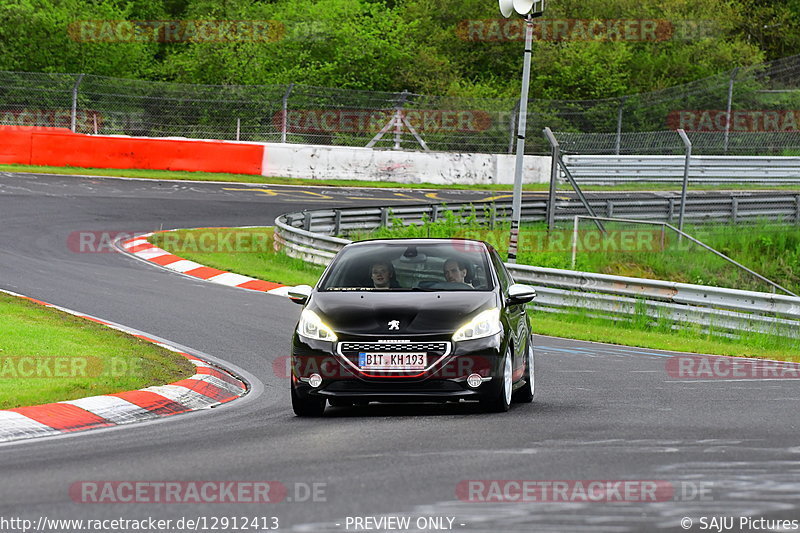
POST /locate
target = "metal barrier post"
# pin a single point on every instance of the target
(688, 145)
(797, 210)
(555, 154)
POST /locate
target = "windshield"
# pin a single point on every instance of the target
(445, 266)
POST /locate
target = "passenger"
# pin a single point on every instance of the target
(382, 275)
(456, 271)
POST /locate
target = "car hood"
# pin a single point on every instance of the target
(417, 313)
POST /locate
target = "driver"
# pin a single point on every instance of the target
(455, 271)
(382, 275)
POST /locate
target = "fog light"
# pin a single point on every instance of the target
(315, 380)
(474, 380)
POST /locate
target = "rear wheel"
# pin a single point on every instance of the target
(525, 393)
(501, 401)
(307, 405)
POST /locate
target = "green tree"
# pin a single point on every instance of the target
(46, 36)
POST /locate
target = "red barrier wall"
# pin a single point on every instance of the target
(60, 147)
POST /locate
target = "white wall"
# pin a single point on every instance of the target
(339, 162)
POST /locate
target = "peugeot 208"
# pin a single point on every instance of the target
(412, 320)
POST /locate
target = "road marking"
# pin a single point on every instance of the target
(271, 192)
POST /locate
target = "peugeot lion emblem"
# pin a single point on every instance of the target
(394, 324)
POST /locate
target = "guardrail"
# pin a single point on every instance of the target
(614, 169)
(717, 207)
(308, 235)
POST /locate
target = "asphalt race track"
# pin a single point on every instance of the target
(601, 412)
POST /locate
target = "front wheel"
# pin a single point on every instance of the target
(525, 393)
(501, 400)
(307, 405)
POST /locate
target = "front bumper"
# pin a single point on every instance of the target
(445, 379)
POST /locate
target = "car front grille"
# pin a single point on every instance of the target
(435, 350)
(432, 348)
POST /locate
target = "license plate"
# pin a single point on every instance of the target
(392, 361)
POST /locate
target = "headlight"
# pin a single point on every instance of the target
(312, 327)
(486, 324)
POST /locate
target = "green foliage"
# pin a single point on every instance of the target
(413, 45)
(353, 44)
(35, 36)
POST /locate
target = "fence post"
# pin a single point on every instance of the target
(734, 209)
(74, 115)
(618, 144)
(307, 220)
(384, 217)
(609, 208)
(284, 118)
(730, 103)
(238, 128)
(398, 126)
(688, 144)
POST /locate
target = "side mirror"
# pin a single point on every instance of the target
(520, 294)
(300, 294)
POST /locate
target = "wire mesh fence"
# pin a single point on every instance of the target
(753, 110)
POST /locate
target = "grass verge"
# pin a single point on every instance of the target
(277, 267)
(47, 355)
(578, 326)
(249, 178)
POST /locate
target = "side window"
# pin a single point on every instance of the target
(502, 273)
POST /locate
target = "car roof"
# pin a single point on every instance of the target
(418, 241)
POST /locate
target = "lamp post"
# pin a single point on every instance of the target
(529, 9)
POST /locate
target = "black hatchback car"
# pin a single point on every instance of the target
(412, 320)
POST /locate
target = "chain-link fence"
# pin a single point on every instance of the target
(754, 110)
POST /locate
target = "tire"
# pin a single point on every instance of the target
(500, 402)
(525, 393)
(307, 406)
